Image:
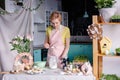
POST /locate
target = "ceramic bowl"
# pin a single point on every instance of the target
(40, 64)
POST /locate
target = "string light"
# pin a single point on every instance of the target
(2, 12)
(32, 9)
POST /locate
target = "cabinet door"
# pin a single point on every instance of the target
(44, 54)
(37, 55)
(75, 50)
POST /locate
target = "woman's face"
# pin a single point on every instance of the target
(55, 23)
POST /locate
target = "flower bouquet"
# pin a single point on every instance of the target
(21, 44)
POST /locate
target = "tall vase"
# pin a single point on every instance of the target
(107, 13)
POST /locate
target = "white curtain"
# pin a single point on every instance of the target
(11, 25)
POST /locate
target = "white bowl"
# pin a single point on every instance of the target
(40, 64)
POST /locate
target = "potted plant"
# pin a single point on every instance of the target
(106, 8)
(80, 59)
(117, 51)
(104, 3)
(115, 18)
(109, 77)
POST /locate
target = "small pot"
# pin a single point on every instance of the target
(115, 20)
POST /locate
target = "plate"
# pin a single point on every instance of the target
(32, 72)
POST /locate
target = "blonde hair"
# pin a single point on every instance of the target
(55, 15)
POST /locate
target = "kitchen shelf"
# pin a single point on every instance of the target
(100, 20)
(97, 56)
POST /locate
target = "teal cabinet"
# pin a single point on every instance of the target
(80, 49)
(75, 50)
(37, 55)
(88, 50)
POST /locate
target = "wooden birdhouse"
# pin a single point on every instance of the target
(105, 44)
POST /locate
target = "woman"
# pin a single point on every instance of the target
(57, 39)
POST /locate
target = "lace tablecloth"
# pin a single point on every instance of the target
(47, 74)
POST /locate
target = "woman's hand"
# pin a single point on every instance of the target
(66, 49)
(62, 56)
(46, 45)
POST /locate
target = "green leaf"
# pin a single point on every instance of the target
(104, 3)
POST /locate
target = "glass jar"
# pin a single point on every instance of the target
(53, 62)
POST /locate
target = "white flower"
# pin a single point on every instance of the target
(14, 42)
(21, 37)
(21, 44)
(29, 37)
